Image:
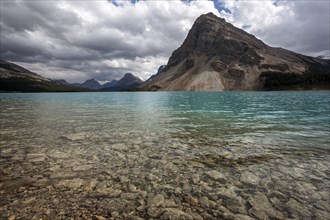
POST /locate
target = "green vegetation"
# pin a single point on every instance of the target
(312, 79)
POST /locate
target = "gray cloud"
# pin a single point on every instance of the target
(301, 26)
(78, 40)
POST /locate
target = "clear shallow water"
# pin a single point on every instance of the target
(228, 155)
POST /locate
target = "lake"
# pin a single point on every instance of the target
(169, 155)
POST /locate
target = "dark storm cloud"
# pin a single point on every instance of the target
(94, 39)
(78, 40)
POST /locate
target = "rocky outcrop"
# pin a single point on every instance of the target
(218, 56)
(159, 71)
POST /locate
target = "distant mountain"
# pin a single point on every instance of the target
(217, 56)
(88, 84)
(324, 57)
(14, 78)
(61, 81)
(128, 82)
(109, 84)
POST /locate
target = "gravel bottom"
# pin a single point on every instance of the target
(134, 176)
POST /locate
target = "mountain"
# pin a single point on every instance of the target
(160, 69)
(14, 78)
(217, 56)
(88, 84)
(61, 81)
(109, 84)
(128, 82)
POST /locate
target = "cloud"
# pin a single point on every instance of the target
(301, 26)
(99, 39)
(104, 39)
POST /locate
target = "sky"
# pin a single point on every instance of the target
(78, 40)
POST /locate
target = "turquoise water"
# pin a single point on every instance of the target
(281, 138)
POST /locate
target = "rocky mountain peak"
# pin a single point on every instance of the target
(219, 56)
(213, 36)
(129, 79)
(128, 75)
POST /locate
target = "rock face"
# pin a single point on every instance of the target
(159, 71)
(218, 56)
(18, 79)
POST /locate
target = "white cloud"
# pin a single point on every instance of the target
(301, 26)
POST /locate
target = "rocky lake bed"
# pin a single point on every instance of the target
(160, 179)
(93, 165)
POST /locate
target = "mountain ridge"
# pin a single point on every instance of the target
(127, 82)
(14, 78)
(217, 56)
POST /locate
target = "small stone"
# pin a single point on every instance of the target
(197, 216)
(195, 178)
(152, 177)
(297, 207)
(129, 196)
(249, 178)
(35, 158)
(173, 213)
(55, 168)
(123, 179)
(322, 215)
(204, 201)
(72, 184)
(261, 207)
(323, 205)
(119, 147)
(98, 217)
(92, 184)
(179, 152)
(109, 192)
(169, 203)
(41, 182)
(82, 168)
(135, 218)
(192, 201)
(156, 201)
(58, 155)
(132, 187)
(243, 217)
(61, 175)
(155, 212)
(114, 214)
(215, 175)
(75, 137)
